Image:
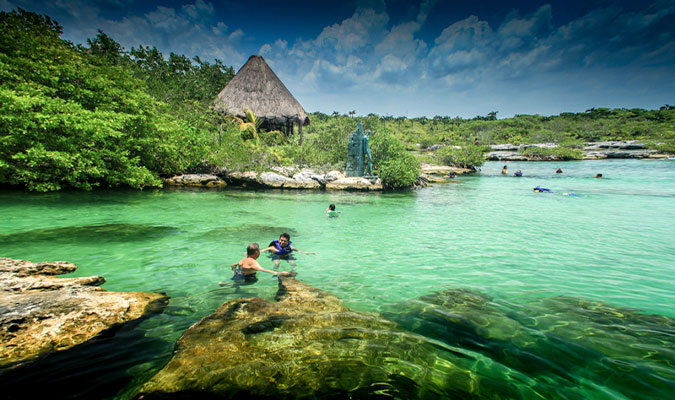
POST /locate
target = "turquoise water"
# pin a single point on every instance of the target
(487, 233)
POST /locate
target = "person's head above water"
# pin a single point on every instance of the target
(284, 239)
(331, 207)
(252, 249)
(598, 176)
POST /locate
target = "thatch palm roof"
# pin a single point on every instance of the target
(257, 88)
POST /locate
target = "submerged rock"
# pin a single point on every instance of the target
(41, 313)
(563, 342)
(309, 345)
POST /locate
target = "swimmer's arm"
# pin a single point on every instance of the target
(257, 267)
(300, 251)
(271, 248)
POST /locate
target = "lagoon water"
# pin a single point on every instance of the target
(538, 257)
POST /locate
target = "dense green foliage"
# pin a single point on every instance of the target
(76, 116)
(467, 156)
(71, 117)
(553, 153)
(396, 167)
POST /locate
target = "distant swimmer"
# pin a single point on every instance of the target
(331, 212)
(599, 176)
(539, 189)
(504, 171)
(518, 173)
(558, 171)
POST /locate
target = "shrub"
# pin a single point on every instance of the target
(467, 156)
(555, 153)
(392, 163)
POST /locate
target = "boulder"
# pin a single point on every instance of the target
(272, 179)
(309, 345)
(333, 176)
(195, 180)
(354, 183)
(41, 313)
(433, 169)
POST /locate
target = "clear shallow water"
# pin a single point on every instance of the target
(488, 233)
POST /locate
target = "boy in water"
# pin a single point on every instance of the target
(244, 271)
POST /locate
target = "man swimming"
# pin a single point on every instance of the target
(282, 250)
(244, 271)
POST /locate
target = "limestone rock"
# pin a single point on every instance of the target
(40, 313)
(196, 180)
(333, 176)
(272, 179)
(306, 345)
(433, 169)
(354, 183)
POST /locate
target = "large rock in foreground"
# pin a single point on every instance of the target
(41, 313)
(308, 345)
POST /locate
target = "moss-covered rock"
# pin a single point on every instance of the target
(309, 345)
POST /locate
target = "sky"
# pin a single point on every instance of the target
(412, 58)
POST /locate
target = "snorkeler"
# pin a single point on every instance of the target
(539, 189)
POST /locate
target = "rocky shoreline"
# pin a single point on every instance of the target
(302, 178)
(41, 313)
(592, 151)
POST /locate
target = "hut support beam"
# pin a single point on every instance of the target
(300, 133)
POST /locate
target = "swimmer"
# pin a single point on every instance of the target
(599, 176)
(558, 171)
(331, 211)
(245, 270)
(518, 173)
(504, 171)
(282, 250)
(539, 189)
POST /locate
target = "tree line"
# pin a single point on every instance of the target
(99, 115)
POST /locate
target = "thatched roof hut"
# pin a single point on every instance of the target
(257, 88)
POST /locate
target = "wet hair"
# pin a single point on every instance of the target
(252, 249)
(332, 207)
(285, 235)
(505, 166)
(598, 176)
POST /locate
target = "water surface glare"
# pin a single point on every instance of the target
(562, 296)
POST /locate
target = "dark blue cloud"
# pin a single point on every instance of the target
(422, 57)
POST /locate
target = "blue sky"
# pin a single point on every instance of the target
(412, 58)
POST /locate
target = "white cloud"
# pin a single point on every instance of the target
(191, 29)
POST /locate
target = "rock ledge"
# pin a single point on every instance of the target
(41, 313)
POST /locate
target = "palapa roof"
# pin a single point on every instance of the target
(257, 88)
